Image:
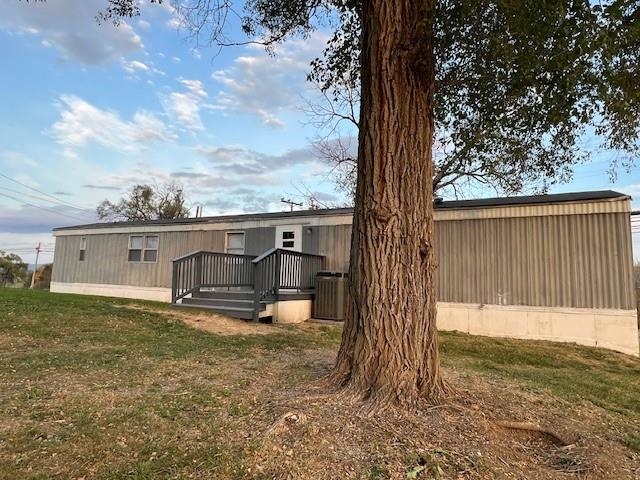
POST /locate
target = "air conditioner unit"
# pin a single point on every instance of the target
(330, 302)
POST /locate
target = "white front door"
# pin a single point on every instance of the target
(289, 237)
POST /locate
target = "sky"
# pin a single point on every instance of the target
(87, 111)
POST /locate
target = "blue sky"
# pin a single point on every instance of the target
(89, 110)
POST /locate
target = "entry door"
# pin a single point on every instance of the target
(289, 237)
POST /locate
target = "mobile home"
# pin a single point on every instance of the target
(554, 267)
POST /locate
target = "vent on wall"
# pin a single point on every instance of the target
(330, 301)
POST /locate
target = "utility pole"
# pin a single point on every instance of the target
(291, 203)
(35, 268)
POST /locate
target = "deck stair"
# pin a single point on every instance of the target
(242, 286)
(238, 304)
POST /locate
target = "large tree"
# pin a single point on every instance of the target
(146, 202)
(495, 137)
(12, 269)
(524, 80)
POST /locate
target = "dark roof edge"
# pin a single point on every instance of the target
(216, 219)
(546, 199)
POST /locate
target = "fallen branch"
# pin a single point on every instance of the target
(532, 427)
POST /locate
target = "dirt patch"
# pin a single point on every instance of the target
(314, 435)
(228, 326)
(212, 322)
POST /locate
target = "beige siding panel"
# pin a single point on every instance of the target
(334, 242)
(614, 205)
(581, 261)
(106, 258)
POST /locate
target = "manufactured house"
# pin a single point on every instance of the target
(553, 267)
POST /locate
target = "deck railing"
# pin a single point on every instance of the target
(204, 269)
(276, 269)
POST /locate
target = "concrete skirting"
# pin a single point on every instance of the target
(612, 329)
(291, 311)
(157, 294)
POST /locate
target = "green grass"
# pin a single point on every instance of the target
(607, 379)
(89, 387)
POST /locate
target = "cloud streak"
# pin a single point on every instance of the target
(184, 107)
(267, 85)
(71, 28)
(81, 123)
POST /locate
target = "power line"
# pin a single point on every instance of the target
(42, 208)
(43, 199)
(41, 192)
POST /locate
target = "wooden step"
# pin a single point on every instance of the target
(232, 308)
(230, 294)
(221, 302)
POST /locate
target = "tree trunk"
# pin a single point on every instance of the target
(389, 350)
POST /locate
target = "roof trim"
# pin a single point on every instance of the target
(548, 199)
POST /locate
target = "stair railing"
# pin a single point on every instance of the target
(278, 269)
(203, 269)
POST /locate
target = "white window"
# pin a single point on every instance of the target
(235, 243)
(83, 248)
(143, 248)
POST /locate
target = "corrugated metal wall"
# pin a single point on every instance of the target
(334, 242)
(559, 261)
(579, 260)
(106, 258)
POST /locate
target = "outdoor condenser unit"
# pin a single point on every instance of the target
(331, 296)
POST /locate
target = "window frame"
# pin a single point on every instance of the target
(83, 249)
(143, 247)
(244, 241)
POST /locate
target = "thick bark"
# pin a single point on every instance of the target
(389, 351)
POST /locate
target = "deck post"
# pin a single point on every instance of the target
(174, 283)
(278, 274)
(199, 279)
(257, 291)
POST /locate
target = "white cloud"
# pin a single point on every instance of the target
(267, 85)
(174, 23)
(81, 123)
(185, 106)
(70, 26)
(134, 66)
(144, 24)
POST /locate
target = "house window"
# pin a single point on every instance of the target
(143, 248)
(235, 243)
(83, 248)
(288, 239)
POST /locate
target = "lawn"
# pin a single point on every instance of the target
(113, 389)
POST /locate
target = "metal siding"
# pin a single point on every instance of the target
(259, 240)
(581, 261)
(578, 260)
(332, 241)
(106, 258)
